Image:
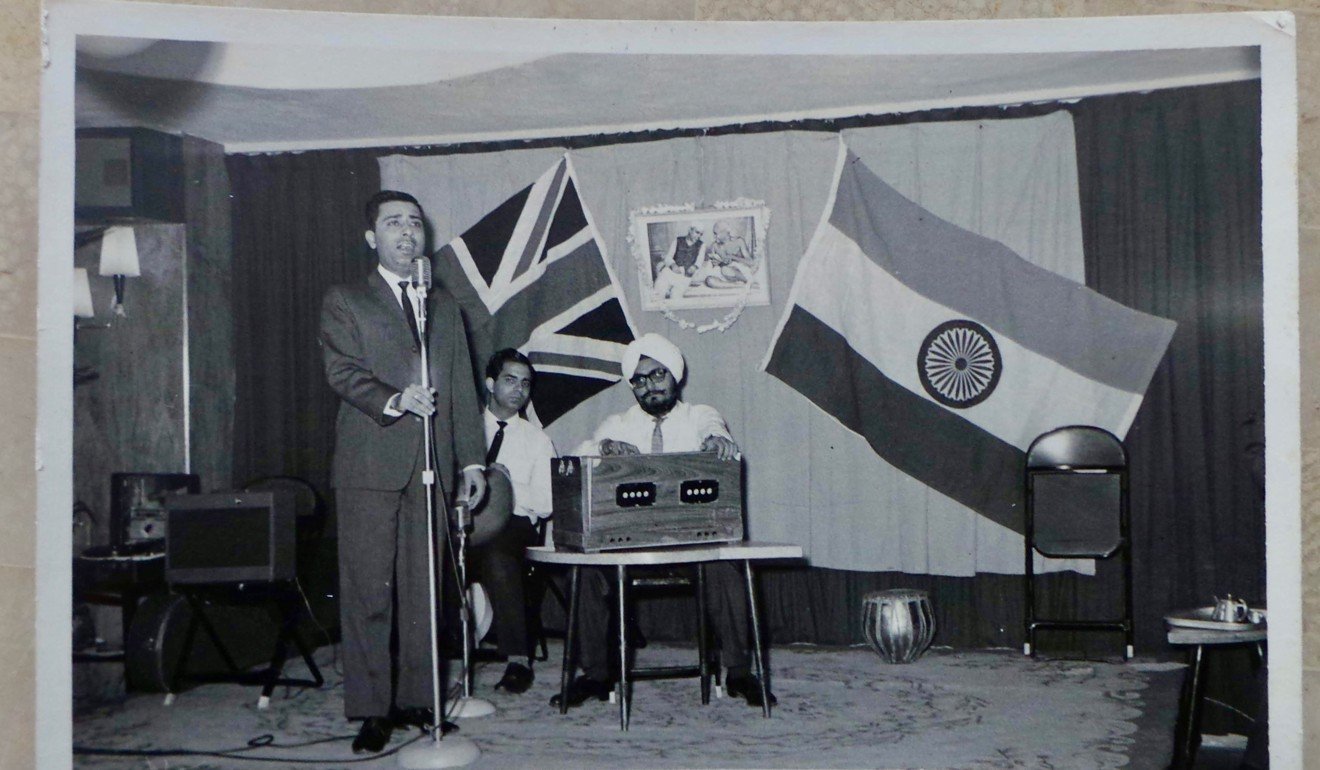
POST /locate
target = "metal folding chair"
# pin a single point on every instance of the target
(1077, 507)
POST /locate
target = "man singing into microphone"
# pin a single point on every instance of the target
(371, 344)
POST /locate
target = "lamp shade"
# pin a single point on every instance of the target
(119, 255)
(82, 294)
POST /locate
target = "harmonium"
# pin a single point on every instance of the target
(638, 501)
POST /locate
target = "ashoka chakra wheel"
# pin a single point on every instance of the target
(959, 364)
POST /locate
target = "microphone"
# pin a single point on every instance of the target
(420, 276)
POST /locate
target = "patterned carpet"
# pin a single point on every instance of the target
(839, 708)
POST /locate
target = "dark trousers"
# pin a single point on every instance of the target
(726, 600)
(384, 590)
(501, 567)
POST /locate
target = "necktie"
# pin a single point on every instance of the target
(408, 311)
(657, 438)
(493, 453)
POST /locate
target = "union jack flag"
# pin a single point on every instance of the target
(532, 275)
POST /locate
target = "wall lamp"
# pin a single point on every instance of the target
(119, 259)
(82, 308)
(82, 294)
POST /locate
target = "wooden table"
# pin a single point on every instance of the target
(1187, 732)
(672, 555)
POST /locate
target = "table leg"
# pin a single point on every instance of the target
(1198, 696)
(624, 714)
(703, 649)
(756, 639)
(570, 631)
(1184, 749)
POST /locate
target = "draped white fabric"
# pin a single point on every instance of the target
(809, 480)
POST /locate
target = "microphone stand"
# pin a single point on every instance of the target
(439, 752)
(466, 706)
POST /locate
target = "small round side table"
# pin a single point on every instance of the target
(1187, 733)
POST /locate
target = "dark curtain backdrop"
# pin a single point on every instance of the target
(298, 228)
(1171, 203)
(1170, 191)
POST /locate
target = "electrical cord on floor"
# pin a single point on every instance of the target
(267, 741)
(260, 742)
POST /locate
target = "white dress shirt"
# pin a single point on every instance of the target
(683, 429)
(393, 281)
(526, 451)
(392, 406)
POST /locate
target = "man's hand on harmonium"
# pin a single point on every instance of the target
(724, 448)
(610, 447)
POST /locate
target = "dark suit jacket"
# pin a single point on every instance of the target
(370, 355)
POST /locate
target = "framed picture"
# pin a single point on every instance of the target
(701, 258)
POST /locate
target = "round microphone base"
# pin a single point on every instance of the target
(468, 708)
(454, 751)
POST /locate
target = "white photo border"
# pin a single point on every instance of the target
(1274, 33)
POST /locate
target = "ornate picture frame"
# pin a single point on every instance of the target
(698, 258)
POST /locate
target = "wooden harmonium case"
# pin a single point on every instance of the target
(638, 501)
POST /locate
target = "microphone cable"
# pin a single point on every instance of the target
(265, 741)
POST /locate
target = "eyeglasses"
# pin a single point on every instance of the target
(656, 377)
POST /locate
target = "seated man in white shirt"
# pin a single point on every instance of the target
(661, 422)
(522, 451)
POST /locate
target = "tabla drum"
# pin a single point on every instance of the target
(490, 516)
(898, 623)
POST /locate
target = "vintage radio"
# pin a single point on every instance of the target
(636, 501)
(137, 508)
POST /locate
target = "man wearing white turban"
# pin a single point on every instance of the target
(661, 422)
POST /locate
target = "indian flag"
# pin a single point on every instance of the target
(947, 351)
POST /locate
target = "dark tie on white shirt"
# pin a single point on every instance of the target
(409, 311)
(493, 453)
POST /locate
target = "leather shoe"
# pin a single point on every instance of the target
(749, 687)
(419, 716)
(582, 688)
(373, 735)
(517, 678)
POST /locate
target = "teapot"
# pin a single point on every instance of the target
(1230, 610)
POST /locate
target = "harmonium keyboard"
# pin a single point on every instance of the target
(638, 501)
